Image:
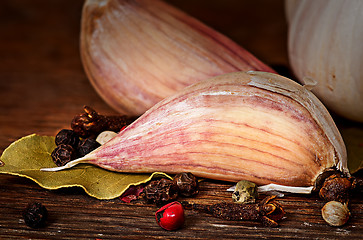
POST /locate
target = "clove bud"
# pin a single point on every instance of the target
(91, 123)
(268, 211)
(337, 188)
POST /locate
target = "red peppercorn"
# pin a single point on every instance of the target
(171, 216)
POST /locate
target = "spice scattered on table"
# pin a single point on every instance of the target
(132, 193)
(187, 184)
(171, 216)
(335, 213)
(82, 138)
(86, 146)
(67, 137)
(337, 188)
(35, 215)
(91, 123)
(62, 154)
(245, 192)
(268, 211)
(165, 190)
(160, 191)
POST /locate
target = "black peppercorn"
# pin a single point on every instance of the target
(62, 154)
(68, 137)
(86, 146)
(160, 191)
(35, 215)
(187, 183)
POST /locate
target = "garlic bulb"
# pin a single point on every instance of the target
(325, 44)
(136, 53)
(256, 126)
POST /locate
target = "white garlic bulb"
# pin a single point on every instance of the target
(325, 44)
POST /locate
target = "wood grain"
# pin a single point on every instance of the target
(42, 86)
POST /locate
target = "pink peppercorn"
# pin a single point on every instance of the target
(171, 216)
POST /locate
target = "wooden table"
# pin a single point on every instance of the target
(42, 86)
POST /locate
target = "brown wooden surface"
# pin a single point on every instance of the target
(42, 86)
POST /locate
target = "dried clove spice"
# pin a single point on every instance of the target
(319, 182)
(337, 188)
(91, 123)
(160, 191)
(268, 211)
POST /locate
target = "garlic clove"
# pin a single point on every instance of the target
(325, 44)
(136, 53)
(256, 126)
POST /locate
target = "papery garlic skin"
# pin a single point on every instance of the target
(256, 126)
(136, 53)
(325, 44)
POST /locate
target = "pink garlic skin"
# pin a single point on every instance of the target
(136, 53)
(229, 129)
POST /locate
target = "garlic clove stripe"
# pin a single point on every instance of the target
(136, 53)
(256, 126)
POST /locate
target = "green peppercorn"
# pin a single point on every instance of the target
(245, 192)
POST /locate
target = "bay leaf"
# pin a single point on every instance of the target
(26, 156)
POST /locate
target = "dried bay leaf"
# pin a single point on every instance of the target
(26, 156)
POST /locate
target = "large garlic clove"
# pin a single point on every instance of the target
(136, 53)
(255, 126)
(325, 44)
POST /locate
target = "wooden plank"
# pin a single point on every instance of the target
(74, 215)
